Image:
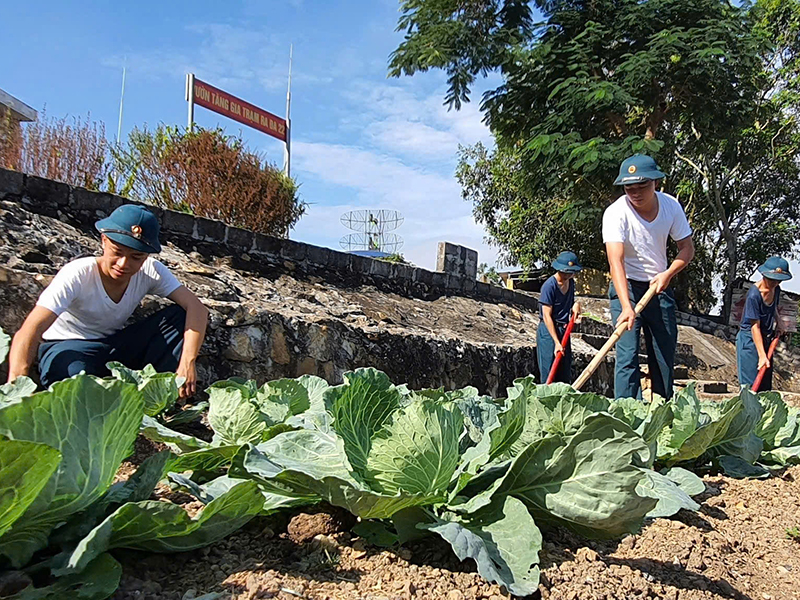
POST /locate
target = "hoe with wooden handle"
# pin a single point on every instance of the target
(601, 354)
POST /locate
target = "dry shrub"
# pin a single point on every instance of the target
(10, 142)
(70, 150)
(209, 174)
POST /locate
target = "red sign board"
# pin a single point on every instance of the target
(215, 99)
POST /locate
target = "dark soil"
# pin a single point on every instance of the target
(305, 527)
(736, 548)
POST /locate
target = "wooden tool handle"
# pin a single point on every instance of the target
(601, 354)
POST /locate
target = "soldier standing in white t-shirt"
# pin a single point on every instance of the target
(78, 323)
(636, 230)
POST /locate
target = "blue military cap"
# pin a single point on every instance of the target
(567, 262)
(638, 168)
(775, 267)
(132, 226)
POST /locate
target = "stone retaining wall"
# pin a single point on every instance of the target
(280, 308)
(83, 207)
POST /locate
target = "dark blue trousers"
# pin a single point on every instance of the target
(747, 360)
(545, 354)
(660, 327)
(156, 340)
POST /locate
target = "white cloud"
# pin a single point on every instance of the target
(228, 56)
(430, 201)
(402, 157)
(414, 139)
(400, 121)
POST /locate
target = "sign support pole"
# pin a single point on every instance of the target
(287, 148)
(121, 104)
(190, 100)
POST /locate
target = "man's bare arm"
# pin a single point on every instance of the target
(549, 322)
(616, 262)
(685, 256)
(760, 344)
(26, 341)
(193, 334)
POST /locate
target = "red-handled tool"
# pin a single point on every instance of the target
(560, 354)
(763, 370)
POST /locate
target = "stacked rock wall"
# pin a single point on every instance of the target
(280, 308)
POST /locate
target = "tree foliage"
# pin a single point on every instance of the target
(708, 88)
(209, 174)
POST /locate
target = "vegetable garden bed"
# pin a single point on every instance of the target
(450, 478)
(735, 548)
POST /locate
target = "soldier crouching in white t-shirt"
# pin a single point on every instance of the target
(636, 230)
(78, 323)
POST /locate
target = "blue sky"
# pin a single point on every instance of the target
(360, 140)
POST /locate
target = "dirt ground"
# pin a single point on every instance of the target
(736, 548)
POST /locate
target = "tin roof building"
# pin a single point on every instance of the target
(18, 110)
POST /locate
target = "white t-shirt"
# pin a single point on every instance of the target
(84, 309)
(645, 243)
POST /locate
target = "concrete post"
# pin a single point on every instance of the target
(457, 260)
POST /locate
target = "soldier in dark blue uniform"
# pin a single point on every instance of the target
(759, 323)
(556, 305)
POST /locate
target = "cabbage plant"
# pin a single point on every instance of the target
(701, 431)
(60, 451)
(779, 428)
(479, 473)
(21, 386)
(160, 390)
(485, 475)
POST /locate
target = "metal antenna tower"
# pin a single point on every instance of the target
(372, 231)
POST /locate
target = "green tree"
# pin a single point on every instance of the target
(489, 275)
(700, 83)
(396, 258)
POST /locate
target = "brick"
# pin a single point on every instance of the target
(83, 199)
(207, 229)
(380, 268)
(439, 280)
(422, 276)
(317, 255)
(681, 372)
(529, 301)
(403, 272)
(482, 288)
(715, 387)
(509, 295)
(268, 244)
(46, 190)
(293, 251)
(454, 282)
(178, 222)
(239, 238)
(359, 264)
(340, 261)
(11, 183)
